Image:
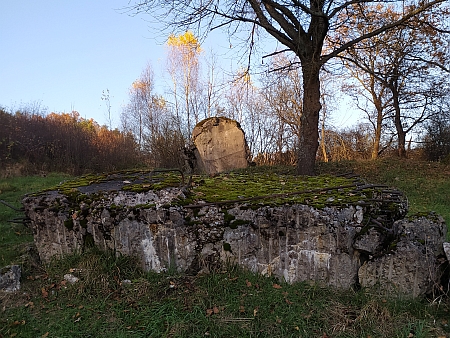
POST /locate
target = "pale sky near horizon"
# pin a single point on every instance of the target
(64, 54)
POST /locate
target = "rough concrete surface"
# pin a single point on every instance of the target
(295, 242)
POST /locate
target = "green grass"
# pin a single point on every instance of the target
(226, 303)
(15, 236)
(426, 184)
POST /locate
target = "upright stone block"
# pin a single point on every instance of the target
(221, 145)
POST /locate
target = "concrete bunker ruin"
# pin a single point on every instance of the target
(337, 231)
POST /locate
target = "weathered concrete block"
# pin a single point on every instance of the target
(335, 246)
(220, 144)
(447, 250)
(371, 242)
(410, 265)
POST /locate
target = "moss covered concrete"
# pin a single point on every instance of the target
(256, 186)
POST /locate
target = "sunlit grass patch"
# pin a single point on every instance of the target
(425, 184)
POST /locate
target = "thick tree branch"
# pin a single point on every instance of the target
(264, 23)
(289, 28)
(308, 10)
(286, 12)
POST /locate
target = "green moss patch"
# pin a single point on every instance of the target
(227, 247)
(277, 189)
(253, 187)
(68, 223)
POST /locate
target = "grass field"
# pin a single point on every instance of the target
(115, 299)
(426, 184)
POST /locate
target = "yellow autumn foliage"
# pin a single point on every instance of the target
(138, 85)
(186, 40)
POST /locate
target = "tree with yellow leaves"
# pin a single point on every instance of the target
(183, 62)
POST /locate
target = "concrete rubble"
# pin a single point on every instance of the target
(10, 278)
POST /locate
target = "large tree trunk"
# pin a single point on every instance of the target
(309, 127)
(379, 121)
(401, 134)
(377, 136)
(322, 139)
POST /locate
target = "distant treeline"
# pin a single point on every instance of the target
(32, 143)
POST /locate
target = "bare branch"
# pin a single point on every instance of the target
(345, 5)
(308, 10)
(380, 30)
(264, 22)
(276, 53)
(290, 29)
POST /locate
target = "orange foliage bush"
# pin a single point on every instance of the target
(63, 142)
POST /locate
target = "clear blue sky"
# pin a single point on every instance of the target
(64, 53)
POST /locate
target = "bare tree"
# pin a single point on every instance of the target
(243, 106)
(183, 60)
(283, 93)
(370, 96)
(302, 26)
(436, 141)
(107, 98)
(212, 87)
(283, 96)
(144, 114)
(401, 70)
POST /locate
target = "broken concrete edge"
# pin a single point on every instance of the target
(10, 278)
